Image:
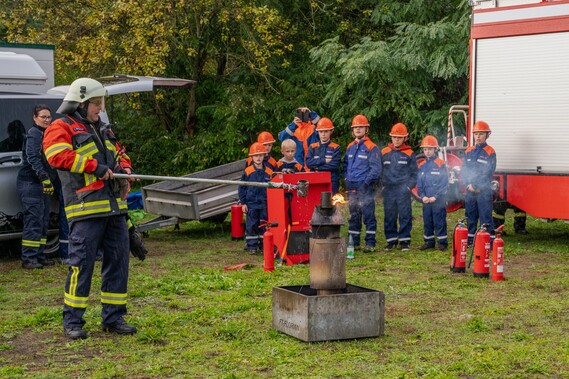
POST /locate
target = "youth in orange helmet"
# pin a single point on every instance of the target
(481, 126)
(265, 137)
(325, 124)
(256, 149)
(360, 120)
(430, 141)
(399, 130)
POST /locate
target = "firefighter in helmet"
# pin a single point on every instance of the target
(477, 173)
(85, 152)
(399, 177)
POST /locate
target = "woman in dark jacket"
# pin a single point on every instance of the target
(35, 187)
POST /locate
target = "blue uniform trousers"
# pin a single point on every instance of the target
(397, 205)
(110, 234)
(36, 220)
(362, 207)
(253, 232)
(478, 206)
(435, 222)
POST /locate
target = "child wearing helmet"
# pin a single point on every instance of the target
(399, 177)
(325, 155)
(267, 140)
(477, 173)
(254, 199)
(432, 185)
(302, 130)
(287, 164)
(362, 170)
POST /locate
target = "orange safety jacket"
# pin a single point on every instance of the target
(76, 149)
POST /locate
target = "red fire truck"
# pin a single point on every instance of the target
(519, 85)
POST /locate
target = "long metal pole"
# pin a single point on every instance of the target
(300, 186)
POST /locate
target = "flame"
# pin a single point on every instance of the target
(338, 199)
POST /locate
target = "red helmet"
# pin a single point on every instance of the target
(360, 120)
(257, 148)
(325, 124)
(399, 130)
(481, 126)
(265, 137)
(430, 141)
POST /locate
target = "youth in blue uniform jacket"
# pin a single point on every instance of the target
(399, 177)
(254, 199)
(477, 173)
(362, 170)
(325, 155)
(432, 185)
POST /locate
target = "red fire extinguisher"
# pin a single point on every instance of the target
(269, 247)
(481, 252)
(237, 224)
(459, 247)
(498, 256)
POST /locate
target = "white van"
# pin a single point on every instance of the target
(16, 106)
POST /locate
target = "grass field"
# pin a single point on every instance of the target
(196, 320)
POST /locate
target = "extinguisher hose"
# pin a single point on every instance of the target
(473, 246)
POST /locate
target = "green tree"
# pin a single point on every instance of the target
(413, 75)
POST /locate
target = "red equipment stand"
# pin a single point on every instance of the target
(293, 214)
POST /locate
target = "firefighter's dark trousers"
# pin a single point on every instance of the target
(36, 219)
(499, 215)
(110, 234)
(478, 206)
(397, 205)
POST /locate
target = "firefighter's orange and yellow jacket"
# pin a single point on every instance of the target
(79, 150)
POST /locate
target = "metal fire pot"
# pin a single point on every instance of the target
(330, 308)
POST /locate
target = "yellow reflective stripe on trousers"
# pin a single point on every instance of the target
(56, 148)
(70, 297)
(113, 298)
(498, 216)
(43, 241)
(73, 280)
(29, 243)
(75, 301)
(87, 208)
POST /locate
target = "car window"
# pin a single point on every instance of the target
(16, 119)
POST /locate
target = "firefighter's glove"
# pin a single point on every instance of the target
(121, 186)
(137, 247)
(101, 170)
(47, 187)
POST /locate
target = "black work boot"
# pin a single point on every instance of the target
(74, 332)
(426, 246)
(31, 265)
(46, 262)
(120, 327)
